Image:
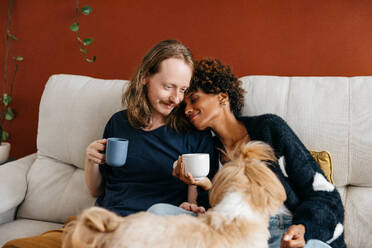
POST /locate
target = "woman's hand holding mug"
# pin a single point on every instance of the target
(179, 172)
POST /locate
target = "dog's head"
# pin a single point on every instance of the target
(90, 229)
(247, 173)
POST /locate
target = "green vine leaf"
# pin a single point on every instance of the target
(6, 99)
(86, 10)
(9, 114)
(88, 41)
(74, 27)
(91, 60)
(4, 135)
(11, 36)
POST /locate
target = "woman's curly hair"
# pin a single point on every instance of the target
(212, 77)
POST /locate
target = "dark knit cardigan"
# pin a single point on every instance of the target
(319, 208)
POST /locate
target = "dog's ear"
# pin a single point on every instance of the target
(254, 150)
(99, 219)
(92, 224)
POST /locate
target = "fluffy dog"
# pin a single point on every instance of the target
(244, 195)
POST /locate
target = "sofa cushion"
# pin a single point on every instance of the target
(360, 132)
(55, 191)
(358, 216)
(73, 112)
(333, 113)
(316, 108)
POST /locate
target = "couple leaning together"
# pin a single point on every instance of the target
(172, 105)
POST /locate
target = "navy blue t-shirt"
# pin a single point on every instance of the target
(146, 178)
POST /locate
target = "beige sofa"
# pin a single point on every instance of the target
(40, 191)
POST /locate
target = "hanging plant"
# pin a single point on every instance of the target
(6, 112)
(83, 43)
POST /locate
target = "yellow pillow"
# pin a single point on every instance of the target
(324, 160)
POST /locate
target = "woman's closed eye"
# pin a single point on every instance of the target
(194, 99)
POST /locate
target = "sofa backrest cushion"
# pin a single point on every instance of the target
(327, 113)
(73, 112)
(55, 191)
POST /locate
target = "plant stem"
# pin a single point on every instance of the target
(79, 40)
(13, 77)
(7, 44)
(7, 48)
(77, 32)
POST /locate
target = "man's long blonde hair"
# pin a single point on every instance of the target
(135, 96)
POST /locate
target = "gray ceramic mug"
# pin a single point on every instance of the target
(116, 151)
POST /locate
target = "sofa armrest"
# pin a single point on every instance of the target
(13, 185)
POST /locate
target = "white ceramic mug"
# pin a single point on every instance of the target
(197, 164)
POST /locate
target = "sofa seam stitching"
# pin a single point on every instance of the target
(348, 133)
(286, 100)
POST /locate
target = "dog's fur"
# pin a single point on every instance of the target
(244, 194)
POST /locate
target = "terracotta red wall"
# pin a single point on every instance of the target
(270, 37)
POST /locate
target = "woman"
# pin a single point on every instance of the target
(214, 101)
(156, 88)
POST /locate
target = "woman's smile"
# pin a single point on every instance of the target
(192, 116)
